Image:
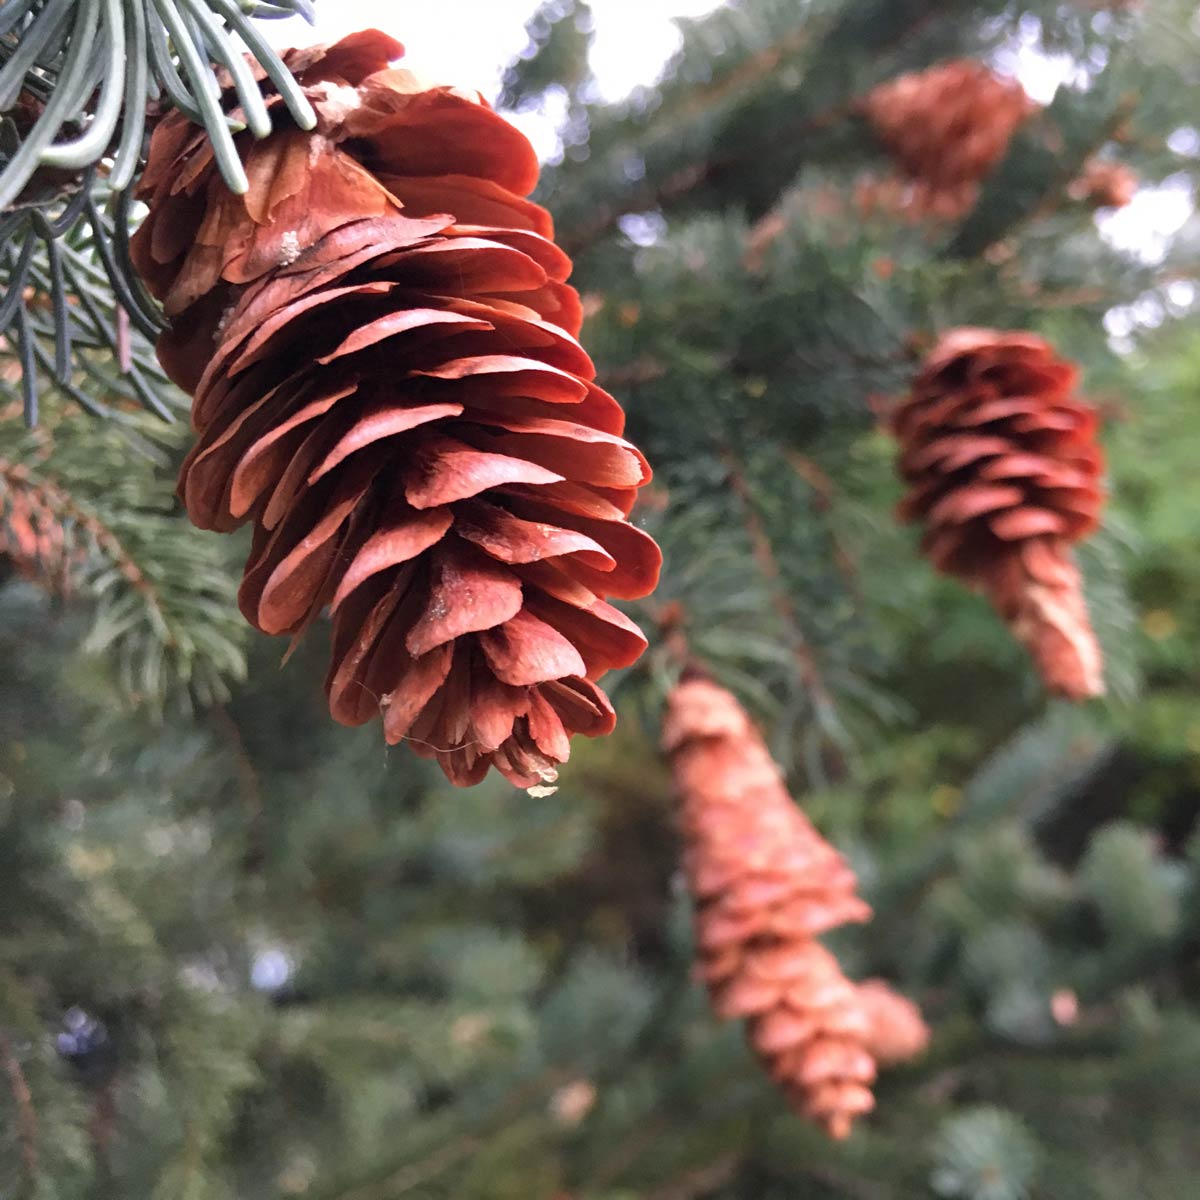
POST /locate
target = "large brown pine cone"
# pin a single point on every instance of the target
(765, 884)
(946, 128)
(1004, 472)
(380, 344)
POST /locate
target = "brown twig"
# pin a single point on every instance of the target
(102, 1126)
(823, 493)
(1056, 188)
(671, 620)
(768, 564)
(687, 179)
(627, 1152)
(640, 370)
(18, 475)
(413, 1175)
(27, 1122)
(702, 1181)
(249, 788)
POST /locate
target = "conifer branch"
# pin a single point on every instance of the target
(248, 785)
(415, 1175)
(757, 67)
(688, 179)
(824, 490)
(17, 476)
(161, 596)
(80, 83)
(703, 1181)
(102, 1127)
(410, 1176)
(976, 238)
(27, 1122)
(768, 565)
(626, 1153)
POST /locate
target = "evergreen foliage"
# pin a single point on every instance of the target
(247, 953)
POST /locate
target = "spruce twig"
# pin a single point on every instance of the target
(679, 184)
(687, 179)
(27, 1122)
(248, 785)
(768, 565)
(703, 1181)
(17, 475)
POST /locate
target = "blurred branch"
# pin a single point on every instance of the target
(628, 1151)
(687, 179)
(160, 591)
(18, 476)
(768, 564)
(249, 788)
(415, 1174)
(411, 1175)
(640, 370)
(981, 232)
(701, 1182)
(756, 68)
(27, 1123)
(102, 1127)
(823, 492)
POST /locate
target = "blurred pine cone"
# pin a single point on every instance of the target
(765, 884)
(946, 128)
(380, 345)
(1004, 472)
(897, 1031)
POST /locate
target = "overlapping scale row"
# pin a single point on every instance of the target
(765, 885)
(380, 343)
(1004, 473)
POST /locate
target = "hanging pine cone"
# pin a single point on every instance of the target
(896, 1029)
(946, 128)
(1004, 472)
(1104, 184)
(380, 345)
(765, 884)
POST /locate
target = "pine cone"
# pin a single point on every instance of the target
(946, 128)
(1004, 471)
(897, 1031)
(380, 345)
(1104, 184)
(765, 884)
